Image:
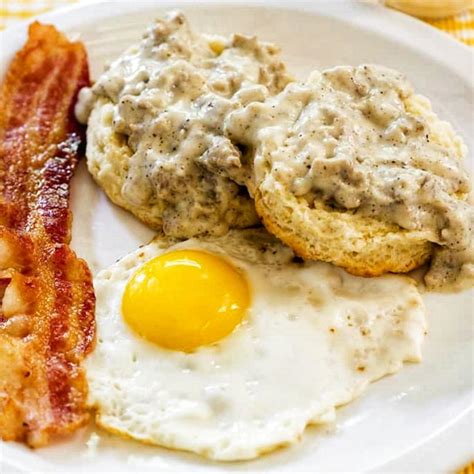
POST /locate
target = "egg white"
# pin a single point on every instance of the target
(313, 339)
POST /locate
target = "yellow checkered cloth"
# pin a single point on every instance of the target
(460, 26)
(11, 11)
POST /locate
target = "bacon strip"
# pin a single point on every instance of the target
(46, 296)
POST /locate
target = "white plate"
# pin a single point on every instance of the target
(397, 414)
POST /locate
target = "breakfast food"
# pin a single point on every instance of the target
(46, 295)
(353, 168)
(246, 347)
(155, 121)
(226, 344)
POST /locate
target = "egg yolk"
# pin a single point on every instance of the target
(185, 299)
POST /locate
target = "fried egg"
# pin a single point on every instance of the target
(229, 347)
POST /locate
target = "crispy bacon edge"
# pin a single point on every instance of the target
(47, 300)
